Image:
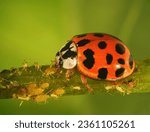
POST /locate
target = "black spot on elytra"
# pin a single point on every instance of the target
(80, 35)
(120, 48)
(89, 61)
(109, 58)
(131, 62)
(119, 72)
(102, 44)
(83, 42)
(102, 73)
(121, 61)
(98, 35)
(66, 47)
(68, 54)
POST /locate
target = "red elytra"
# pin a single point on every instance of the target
(98, 56)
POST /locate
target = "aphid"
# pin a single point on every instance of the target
(34, 90)
(37, 66)
(120, 89)
(25, 66)
(49, 71)
(41, 98)
(77, 88)
(44, 85)
(54, 95)
(59, 91)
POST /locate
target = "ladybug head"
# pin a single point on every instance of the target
(67, 56)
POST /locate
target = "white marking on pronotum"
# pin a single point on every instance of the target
(69, 63)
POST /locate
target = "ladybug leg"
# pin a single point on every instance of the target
(84, 81)
(69, 73)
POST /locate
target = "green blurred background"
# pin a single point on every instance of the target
(34, 30)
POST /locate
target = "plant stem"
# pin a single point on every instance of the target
(39, 83)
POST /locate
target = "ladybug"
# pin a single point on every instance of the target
(98, 56)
